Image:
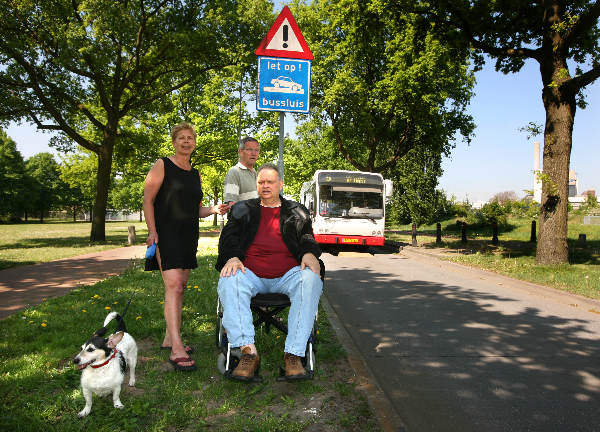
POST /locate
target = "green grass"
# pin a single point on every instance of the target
(32, 243)
(514, 255)
(40, 386)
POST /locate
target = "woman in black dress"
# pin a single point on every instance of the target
(172, 206)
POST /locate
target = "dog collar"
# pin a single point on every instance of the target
(108, 360)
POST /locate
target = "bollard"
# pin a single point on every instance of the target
(414, 234)
(463, 232)
(533, 237)
(131, 236)
(581, 240)
(495, 233)
(438, 233)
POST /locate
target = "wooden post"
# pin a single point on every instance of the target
(463, 232)
(131, 239)
(414, 234)
(438, 233)
(533, 237)
(495, 233)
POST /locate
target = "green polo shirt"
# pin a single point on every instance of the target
(240, 183)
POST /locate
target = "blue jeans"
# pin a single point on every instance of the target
(303, 287)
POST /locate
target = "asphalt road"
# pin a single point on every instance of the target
(457, 349)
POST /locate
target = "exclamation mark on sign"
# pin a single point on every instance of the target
(285, 36)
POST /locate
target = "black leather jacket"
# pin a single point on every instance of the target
(242, 226)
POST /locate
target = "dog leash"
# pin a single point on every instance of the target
(114, 354)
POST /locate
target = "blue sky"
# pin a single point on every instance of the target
(499, 158)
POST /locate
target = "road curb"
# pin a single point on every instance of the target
(388, 417)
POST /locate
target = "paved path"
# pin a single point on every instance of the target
(24, 286)
(460, 349)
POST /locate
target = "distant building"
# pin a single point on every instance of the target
(537, 182)
(573, 184)
(575, 199)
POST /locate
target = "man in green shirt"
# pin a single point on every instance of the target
(240, 181)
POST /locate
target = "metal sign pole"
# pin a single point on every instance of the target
(280, 161)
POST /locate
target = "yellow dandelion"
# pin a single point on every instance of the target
(139, 317)
(44, 299)
(189, 286)
(30, 322)
(162, 302)
(83, 310)
(107, 307)
(115, 302)
(44, 324)
(96, 296)
(195, 286)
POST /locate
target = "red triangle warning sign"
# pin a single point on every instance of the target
(284, 39)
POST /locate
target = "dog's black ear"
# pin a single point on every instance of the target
(100, 332)
(121, 327)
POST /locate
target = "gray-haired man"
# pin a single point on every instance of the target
(240, 181)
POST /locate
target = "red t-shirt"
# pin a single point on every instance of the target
(268, 256)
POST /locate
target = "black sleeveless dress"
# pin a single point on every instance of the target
(177, 212)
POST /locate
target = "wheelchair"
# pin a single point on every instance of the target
(266, 309)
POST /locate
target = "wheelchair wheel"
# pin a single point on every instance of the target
(220, 334)
(234, 358)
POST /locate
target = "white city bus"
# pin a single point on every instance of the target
(347, 207)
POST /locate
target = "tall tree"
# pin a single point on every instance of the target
(314, 149)
(77, 171)
(384, 82)
(80, 67)
(563, 38)
(12, 178)
(46, 185)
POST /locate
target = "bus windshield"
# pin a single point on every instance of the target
(351, 202)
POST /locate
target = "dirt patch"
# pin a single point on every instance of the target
(335, 404)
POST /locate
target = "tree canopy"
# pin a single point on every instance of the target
(80, 67)
(384, 82)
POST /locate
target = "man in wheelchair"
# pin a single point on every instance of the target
(268, 246)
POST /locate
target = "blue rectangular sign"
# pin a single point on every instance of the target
(283, 84)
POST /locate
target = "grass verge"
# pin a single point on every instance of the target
(32, 243)
(514, 255)
(40, 386)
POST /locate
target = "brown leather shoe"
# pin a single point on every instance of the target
(247, 366)
(293, 366)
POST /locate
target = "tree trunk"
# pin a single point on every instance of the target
(74, 215)
(102, 185)
(552, 246)
(216, 201)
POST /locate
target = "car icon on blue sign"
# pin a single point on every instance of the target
(283, 81)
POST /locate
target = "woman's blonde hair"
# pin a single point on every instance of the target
(182, 126)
